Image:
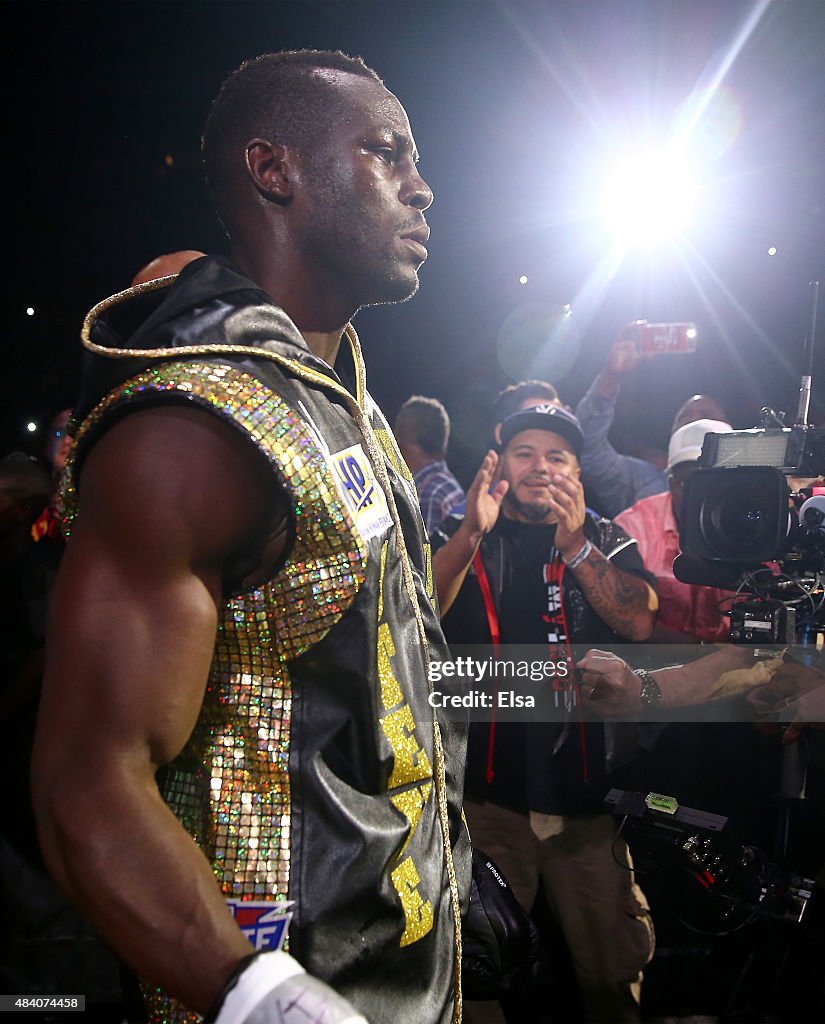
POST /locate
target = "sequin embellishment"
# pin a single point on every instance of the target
(230, 786)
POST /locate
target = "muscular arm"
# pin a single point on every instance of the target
(166, 496)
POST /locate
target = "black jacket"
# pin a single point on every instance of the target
(544, 766)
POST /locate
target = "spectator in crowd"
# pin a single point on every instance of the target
(523, 395)
(614, 482)
(422, 429)
(528, 565)
(47, 524)
(687, 613)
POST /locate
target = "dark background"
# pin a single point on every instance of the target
(517, 107)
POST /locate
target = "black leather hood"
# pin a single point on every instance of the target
(209, 303)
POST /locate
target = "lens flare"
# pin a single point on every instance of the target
(650, 198)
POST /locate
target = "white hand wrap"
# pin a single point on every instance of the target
(275, 989)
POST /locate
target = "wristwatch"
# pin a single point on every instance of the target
(650, 694)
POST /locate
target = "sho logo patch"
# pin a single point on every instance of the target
(361, 492)
(264, 923)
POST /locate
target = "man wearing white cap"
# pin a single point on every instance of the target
(686, 611)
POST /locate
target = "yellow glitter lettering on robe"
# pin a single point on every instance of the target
(411, 804)
(391, 695)
(418, 912)
(411, 761)
(410, 765)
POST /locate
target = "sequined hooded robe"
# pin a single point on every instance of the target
(317, 772)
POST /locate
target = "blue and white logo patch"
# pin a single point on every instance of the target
(361, 492)
(264, 923)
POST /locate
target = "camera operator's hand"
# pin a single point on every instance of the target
(608, 685)
(796, 694)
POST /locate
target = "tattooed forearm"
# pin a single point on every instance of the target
(621, 600)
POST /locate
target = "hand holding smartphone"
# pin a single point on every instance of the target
(658, 339)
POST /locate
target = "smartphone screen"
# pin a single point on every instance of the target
(662, 338)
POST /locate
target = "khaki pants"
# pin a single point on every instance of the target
(601, 911)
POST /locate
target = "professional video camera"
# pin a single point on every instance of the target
(749, 524)
(715, 885)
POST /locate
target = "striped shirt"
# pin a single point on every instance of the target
(438, 492)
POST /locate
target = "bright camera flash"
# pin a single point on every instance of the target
(650, 197)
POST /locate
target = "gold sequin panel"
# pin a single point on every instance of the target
(230, 786)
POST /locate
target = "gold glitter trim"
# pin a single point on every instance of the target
(218, 348)
(429, 582)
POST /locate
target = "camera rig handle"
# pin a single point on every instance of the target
(808, 359)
